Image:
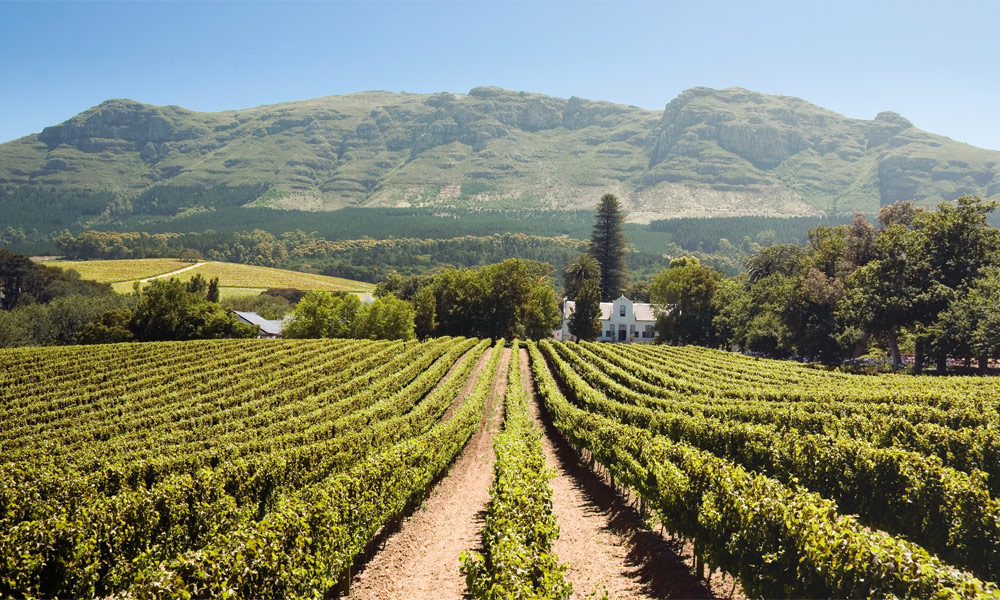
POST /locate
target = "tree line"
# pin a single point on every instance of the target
(924, 281)
(364, 259)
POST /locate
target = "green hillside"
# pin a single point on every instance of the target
(237, 278)
(711, 152)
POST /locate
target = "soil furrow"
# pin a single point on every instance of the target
(602, 540)
(420, 561)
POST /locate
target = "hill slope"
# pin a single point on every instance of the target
(708, 153)
(123, 273)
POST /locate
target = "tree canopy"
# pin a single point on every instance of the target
(168, 310)
(683, 296)
(585, 322)
(513, 298)
(577, 271)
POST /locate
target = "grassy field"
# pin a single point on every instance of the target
(116, 271)
(234, 279)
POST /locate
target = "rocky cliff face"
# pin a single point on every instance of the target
(709, 152)
(119, 122)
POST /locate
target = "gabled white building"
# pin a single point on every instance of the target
(621, 321)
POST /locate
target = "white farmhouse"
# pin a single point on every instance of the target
(621, 321)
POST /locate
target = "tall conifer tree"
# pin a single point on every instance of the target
(607, 245)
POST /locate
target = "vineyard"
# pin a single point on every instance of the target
(214, 469)
(250, 468)
(799, 482)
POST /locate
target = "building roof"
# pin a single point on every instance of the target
(267, 326)
(642, 310)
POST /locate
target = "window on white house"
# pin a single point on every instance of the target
(622, 312)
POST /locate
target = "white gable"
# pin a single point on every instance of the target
(642, 311)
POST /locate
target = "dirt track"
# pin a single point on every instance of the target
(602, 539)
(420, 561)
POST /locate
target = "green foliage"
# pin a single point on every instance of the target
(579, 270)
(684, 296)
(44, 306)
(107, 328)
(517, 559)
(513, 298)
(425, 312)
(168, 310)
(57, 323)
(919, 271)
(608, 246)
(25, 282)
(387, 318)
(585, 322)
(323, 314)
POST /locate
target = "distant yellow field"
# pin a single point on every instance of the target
(249, 276)
(126, 270)
(234, 279)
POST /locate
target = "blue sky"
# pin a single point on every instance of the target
(938, 64)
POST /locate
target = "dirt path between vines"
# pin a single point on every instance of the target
(420, 561)
(602, 540)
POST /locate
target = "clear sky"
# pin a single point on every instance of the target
(936, 63)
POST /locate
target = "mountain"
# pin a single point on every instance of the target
(710, 152)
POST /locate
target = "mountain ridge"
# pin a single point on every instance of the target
(709, 152)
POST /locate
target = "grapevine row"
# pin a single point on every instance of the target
(946, 511)
(517, 559)
(778, 541)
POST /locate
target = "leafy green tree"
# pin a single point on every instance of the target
(387, 318)
(585, 322)
(582, 268)
(514, 298)
(167, 310)
(970, 327)
(879, 296)
(732, 306)
(782, 259)
(107, 328)
(425, 312)
(56, 323)
(189, 255)
(608, 246)
(520, 300)
(920, 271)
(322, 314)
(460, 297)
(197, 284)
(683, 296)
(212, 293)
(392, 284)
(638, 291)
(20, 326)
